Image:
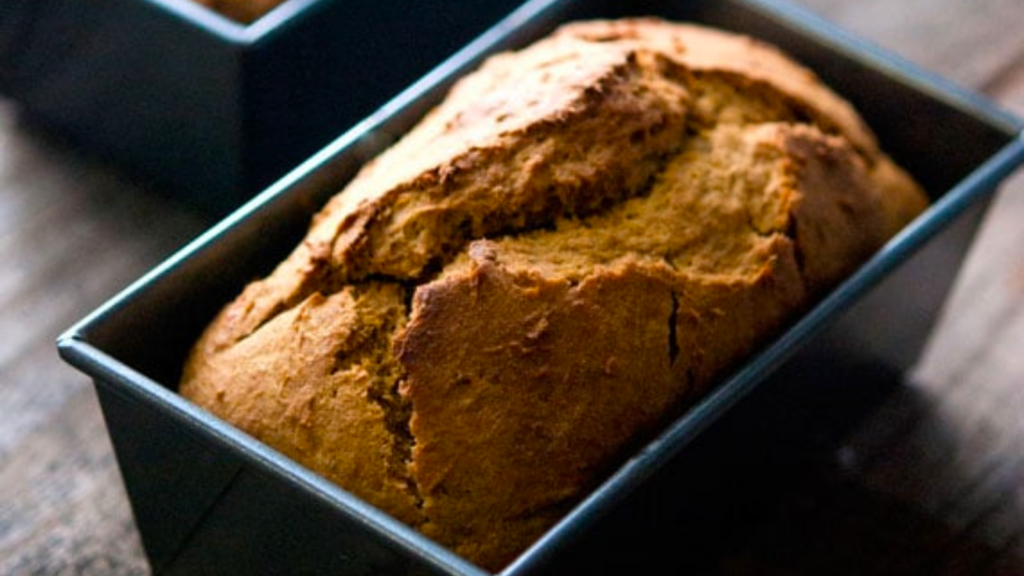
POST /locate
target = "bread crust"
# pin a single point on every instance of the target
(578, 242)
(242, 11)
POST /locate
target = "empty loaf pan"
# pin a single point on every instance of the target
(210, 109)
(209, 498)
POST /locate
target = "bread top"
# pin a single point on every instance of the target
(242, 11)
(580, 123)
(573, 127)
(746, 61)
(558, 258)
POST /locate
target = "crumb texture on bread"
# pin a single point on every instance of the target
(565, 253)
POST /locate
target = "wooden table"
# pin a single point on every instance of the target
(923, 478)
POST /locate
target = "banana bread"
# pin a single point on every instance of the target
(560, 257)
(242, 11)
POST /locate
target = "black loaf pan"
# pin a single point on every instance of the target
(211, 111)
(210, 499)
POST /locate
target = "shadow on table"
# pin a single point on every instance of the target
(765, 491)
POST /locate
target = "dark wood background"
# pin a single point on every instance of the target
(922, 478)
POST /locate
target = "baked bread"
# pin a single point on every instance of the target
(561, 256)
(242, 11)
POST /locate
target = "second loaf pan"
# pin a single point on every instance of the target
(210, 110)
(211, 499)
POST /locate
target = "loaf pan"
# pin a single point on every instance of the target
(209, 110)
(208, 498)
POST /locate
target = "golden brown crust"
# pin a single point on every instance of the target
(314, 384)
(242, 11)
(581, 239)
(582, 126)
(513, 421)
(738, 59)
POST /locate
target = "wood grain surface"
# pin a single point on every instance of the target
(922, 478)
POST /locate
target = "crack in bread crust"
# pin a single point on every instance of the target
(448, 182)
(317, 383)
(493, 290)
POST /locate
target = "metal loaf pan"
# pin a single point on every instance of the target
(209, 110)
(210, 499)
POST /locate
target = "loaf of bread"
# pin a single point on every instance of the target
(242, 11)
(563, 255)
